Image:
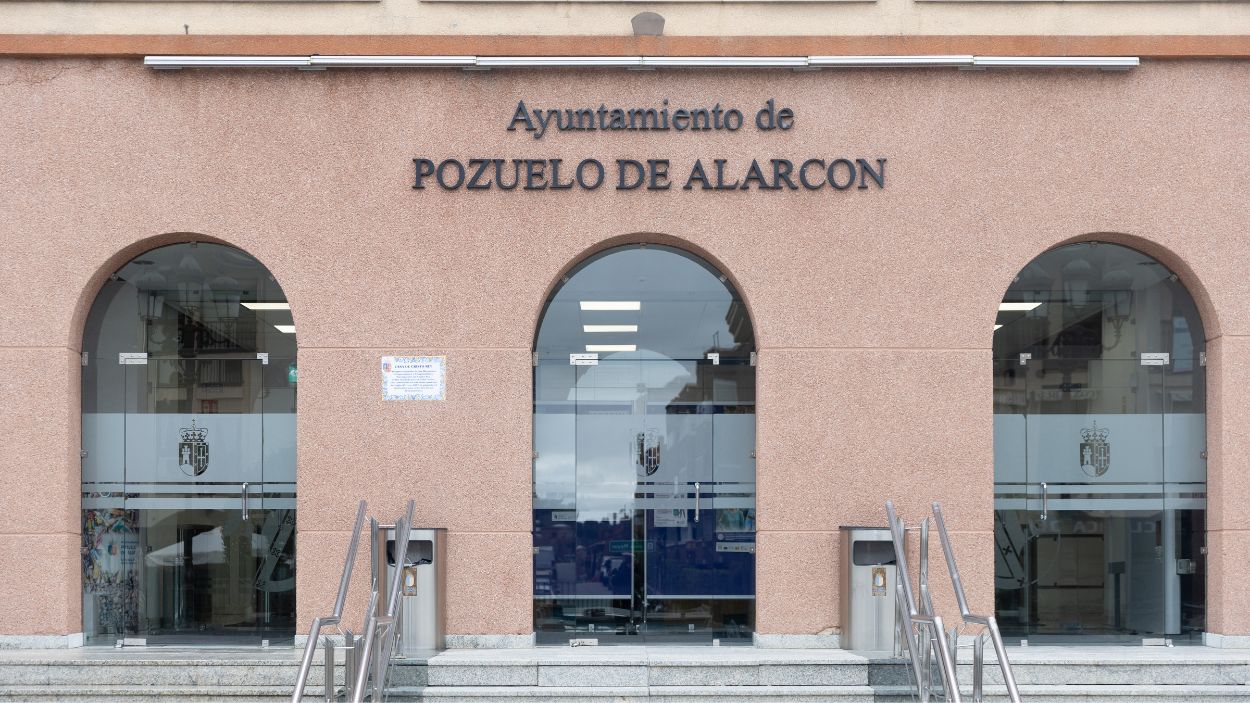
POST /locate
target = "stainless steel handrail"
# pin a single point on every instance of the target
(336, 616)
(988, 621)
(380, 630)
(918, 646)
(394, 606)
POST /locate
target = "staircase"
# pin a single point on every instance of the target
(625, 675)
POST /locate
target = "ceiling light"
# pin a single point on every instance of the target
(267, 306)
(611, 305)
(609, 328)
(611, 347)
(1018, 307)
(285, 329)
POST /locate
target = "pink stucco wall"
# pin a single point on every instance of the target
(873, 308)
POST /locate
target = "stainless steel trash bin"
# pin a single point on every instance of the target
(422, 590)
(867, 589)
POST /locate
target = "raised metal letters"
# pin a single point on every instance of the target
(704, 174)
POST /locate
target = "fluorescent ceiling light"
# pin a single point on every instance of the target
(285, 329)
(267, 306)
(1018, 307)
(611, 347)
(609, 328)
(611, 305)
(996, 327)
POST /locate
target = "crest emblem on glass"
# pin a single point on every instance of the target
(1095, 450)
(647, 445)
(193, 450)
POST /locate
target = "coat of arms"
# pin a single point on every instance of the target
(647, 446)
(1095, 450)
(193, 450)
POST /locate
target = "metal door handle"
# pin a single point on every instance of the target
(696, 501)
(1045, 501)
(243, 495)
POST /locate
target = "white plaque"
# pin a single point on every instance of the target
(414, 377)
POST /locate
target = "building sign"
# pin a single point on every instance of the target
(414, 377)
(816, 172)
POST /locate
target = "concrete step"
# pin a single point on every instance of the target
(1086, 672)
(642, 694)
(613, 667)
(625, 675)
(145, 694)
(1091, 694)
(610, 667)
(193, 673)
(814, 694)
(631, 694)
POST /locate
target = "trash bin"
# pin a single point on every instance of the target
(422, 590)
(868, 583)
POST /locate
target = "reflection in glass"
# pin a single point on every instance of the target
(644, 469)
(174, 550)
(1099, 449)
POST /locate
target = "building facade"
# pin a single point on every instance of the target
(683, 295)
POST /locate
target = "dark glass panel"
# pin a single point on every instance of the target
(644, 468)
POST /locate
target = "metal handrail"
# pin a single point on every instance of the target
(395, 605)
(930, 622)
(384, 623)
(362, 672)
(336, 616)
(988, 621)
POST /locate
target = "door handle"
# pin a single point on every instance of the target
(1045, 500)
(243, 495)
(696, 501)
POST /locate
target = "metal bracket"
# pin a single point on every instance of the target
(1025, 357)
(753, 358)
(132, 358)
(264, 358)
(1202, 358)
(714, 357)
(85, 356)
(588, 359)
(534, 358)
(1156, 358)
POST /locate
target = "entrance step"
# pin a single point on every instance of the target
(1094, 666)
(240, 676)
(624, 675)
(144, 694)
(1092, 694)
(622, 667)
(644, 694)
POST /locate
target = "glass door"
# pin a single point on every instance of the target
(699, 503)
(1095, 499)
(210, 496)
(644, 500)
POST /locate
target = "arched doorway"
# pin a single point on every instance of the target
(188, 452)
(1099, 449)
(644, 453)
